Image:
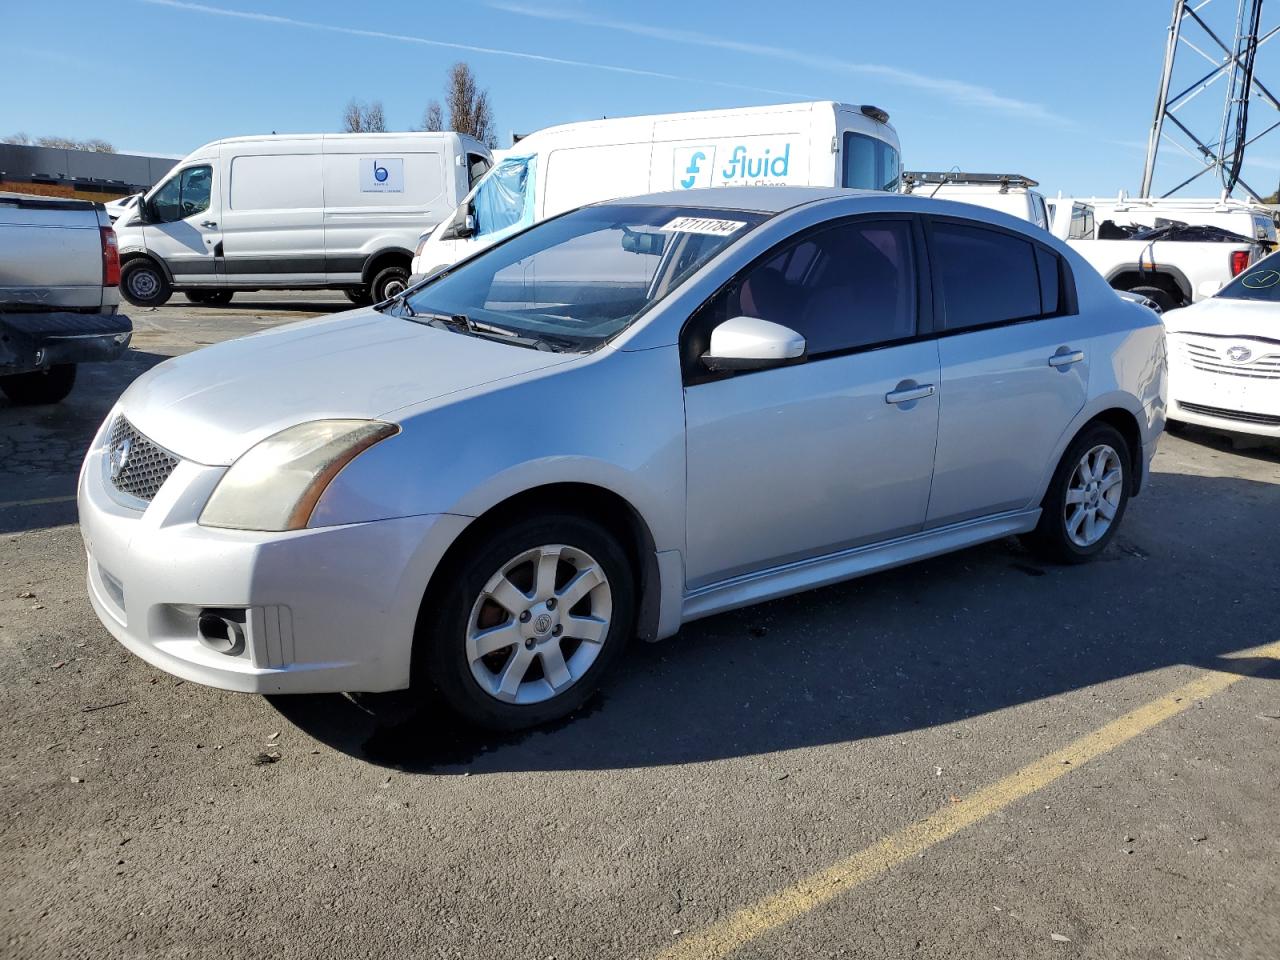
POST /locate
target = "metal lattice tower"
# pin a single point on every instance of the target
(1204, 47)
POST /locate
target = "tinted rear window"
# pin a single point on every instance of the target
(987, 276)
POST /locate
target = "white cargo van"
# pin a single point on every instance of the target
(337, 211)
(821, 143)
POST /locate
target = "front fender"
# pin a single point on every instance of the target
(614, 420)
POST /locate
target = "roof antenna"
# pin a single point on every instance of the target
(943, 181)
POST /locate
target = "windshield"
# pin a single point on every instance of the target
(1259, 282)
(581, 278)
(504, 199)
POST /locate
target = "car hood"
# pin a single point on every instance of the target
(212, 405)
(1219, 316)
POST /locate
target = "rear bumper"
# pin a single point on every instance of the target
(37, 341)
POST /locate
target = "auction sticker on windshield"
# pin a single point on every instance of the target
(708, 225)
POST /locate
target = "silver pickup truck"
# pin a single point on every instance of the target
(59, 295)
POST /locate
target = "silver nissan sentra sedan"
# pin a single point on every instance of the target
(624, 418)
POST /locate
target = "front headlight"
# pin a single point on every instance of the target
(276, 484)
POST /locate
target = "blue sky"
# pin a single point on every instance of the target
(1062, 92)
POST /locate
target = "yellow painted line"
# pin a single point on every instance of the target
(726, 936)
(4, 504)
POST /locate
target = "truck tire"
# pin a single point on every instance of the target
(144, 284)
(41, 386)
(1159, 296)
(358, 295)
(388, 282)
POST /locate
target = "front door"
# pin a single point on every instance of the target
(1013, 354)
(837, 451)
(184, 230)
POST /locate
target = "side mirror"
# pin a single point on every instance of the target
(749, 343)
(141, 211)
(1208, 288)
(462, 226)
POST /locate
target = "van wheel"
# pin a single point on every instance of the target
(528, 622)
(358, 295)
(1086, 499)
(41, 386)
(1159, 296)
(144, 284)
(388, 282)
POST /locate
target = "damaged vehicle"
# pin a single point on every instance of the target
(622, 419)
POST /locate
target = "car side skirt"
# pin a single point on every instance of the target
(808, 574)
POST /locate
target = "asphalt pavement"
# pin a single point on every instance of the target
(979, 756)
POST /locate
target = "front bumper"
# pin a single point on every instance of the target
(325, 610)
(1232, 403)
(37, 341)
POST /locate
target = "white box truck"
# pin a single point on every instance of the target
(335, 211)
(820, 143)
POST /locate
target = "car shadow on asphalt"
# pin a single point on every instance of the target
(937, 642)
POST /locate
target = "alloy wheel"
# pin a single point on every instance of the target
(1094, 492)
(539, 624)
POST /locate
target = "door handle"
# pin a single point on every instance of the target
(1065, 359)
(208, 223)
(904, 394)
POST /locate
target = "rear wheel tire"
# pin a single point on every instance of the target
(41, 386)
(358, 295)
(144, 284)
(388, 282)
(527, 622)
(1159, 296)
(1087, 497)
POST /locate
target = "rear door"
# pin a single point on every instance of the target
(1015, 367)
(185, 230)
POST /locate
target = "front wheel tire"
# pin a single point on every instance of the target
(529, 622)
(144, 284)
(389, 282)
(1087, 497)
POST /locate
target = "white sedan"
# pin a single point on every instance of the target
(1224, 355)
(622, 419)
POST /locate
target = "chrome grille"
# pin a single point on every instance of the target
(1213, 358)
(134, 464)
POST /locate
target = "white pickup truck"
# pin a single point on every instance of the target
(59, 295)
(1172, 252)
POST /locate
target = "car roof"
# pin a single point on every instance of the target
(760, 199)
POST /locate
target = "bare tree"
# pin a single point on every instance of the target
(353, 117)
(433, 119)
(469, 110)
(95, 145)
(360, 117)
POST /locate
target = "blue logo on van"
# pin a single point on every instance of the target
(379, 173)
(742, 166)
(693, 170)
